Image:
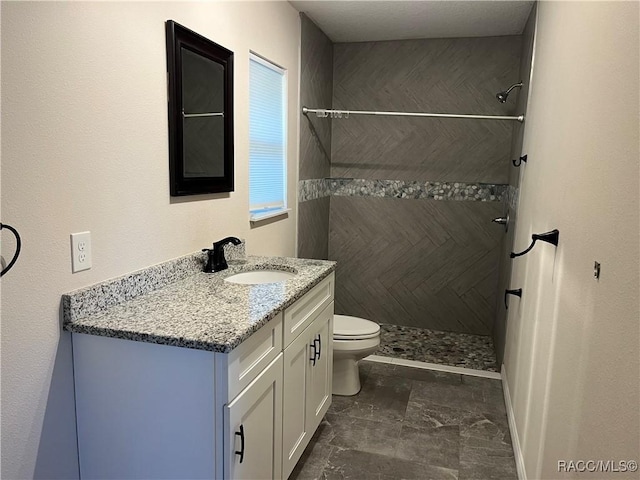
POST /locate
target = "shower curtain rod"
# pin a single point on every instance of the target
(322, 113)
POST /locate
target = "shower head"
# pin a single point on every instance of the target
(502, 96)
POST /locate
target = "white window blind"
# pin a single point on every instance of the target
(267, 138)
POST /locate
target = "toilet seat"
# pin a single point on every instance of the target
(354, 328)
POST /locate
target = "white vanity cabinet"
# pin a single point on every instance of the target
(305, 394)
(149, 411)
(156, 411)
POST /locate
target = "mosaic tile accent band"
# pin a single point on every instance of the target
(313, 189)
(353, 187)
(479, 192)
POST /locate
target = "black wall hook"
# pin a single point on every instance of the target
(517, 292)
(18, 247)
(523, 158)
(549, 237)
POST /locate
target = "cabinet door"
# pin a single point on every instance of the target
(319, 379)
(295, 432)
(308, 369)
(253, 428)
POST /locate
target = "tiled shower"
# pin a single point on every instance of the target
(404, 205)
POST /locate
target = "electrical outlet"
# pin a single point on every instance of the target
(80, 251)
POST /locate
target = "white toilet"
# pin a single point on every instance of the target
(353, 339)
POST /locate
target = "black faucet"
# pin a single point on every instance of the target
(216, 260)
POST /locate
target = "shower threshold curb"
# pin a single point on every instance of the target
(434, 366)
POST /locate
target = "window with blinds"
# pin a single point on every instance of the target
(267, 139)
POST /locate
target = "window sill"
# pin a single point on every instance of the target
(258, 217)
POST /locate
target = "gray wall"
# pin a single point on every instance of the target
(505, 264)
(422, 263)
(316, 87)
(437, 75)
(426, 263)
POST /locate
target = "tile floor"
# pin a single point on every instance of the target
(432, 346)
(409, 423)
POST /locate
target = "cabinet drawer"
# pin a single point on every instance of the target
(253, 355)
(299, 315)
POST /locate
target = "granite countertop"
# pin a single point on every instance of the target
(199, 311)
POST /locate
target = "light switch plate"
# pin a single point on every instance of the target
(80, 251)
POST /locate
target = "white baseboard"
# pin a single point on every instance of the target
(515, 439)
(433, 366)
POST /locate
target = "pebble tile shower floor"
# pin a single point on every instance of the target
(445, 348)
(410, 423)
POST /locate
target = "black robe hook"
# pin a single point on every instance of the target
(549, 237)
(517, 292)
(523, 158)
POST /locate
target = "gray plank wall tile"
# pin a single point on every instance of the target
(313, 228)
(459, 75)
(421, 263)
(316, 88)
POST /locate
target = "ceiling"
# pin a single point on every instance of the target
(366, 20)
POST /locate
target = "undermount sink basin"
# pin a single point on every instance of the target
(256, 277)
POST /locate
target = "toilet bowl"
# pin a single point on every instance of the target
(353, 339)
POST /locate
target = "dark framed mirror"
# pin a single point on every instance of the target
(200, 90)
